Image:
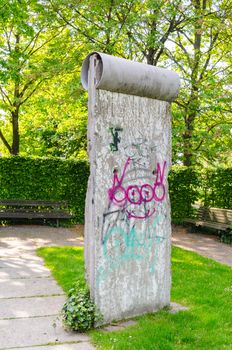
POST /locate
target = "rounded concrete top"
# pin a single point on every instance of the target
(120, 75)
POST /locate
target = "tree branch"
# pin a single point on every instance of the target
(213, 41)
(208, 130)
(176, 62)
(78, 29)
(5, 96)
(5, 142)
(32, 92)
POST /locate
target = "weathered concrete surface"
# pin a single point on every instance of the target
(119, 326)
(33, 263)
(30, 307)
(175, 308)
(35, 331)
(127, 234)
(41, 236)
(30, 321)
(22, 271)
(206, 245)
(26, 287)
(76, 346)
(133, 78)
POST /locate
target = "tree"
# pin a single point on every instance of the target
(132, 29)
(27, 60)
(192, 37)
(202, 50)
(59, 128)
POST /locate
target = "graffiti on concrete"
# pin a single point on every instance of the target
(116, 139)
(136, 195)
(135, 198)
(123, 243)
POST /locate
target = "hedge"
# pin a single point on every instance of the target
(184, 190)
(46, 179)
(217, 188)
(58, 179)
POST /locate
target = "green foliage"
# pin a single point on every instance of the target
(38, 62)
(184, 191)
(217, 188)
(45, 178)
(79, 312)
(226, 237)
(59, 129)
(187, 186)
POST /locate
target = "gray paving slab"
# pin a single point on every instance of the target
(31, 307)
(21, 260)
(18, 267)
(16, 253)
(119, 326)
(25, 287)
(76, 346)
(24, 272)
(44, 235)
(35, 331)
(20, 254)
(14, 244)
(175, 308)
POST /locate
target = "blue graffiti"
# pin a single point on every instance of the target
(120, 246)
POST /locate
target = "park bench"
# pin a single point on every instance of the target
(33, 209)
(214, 218)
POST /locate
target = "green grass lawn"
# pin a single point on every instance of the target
(199, 283)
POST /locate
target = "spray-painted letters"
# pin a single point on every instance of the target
(122, 244)
(135, 196)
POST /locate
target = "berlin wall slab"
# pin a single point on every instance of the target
(128, 230)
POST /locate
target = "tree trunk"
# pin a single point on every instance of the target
(193, 103)
(15, 132)
(187, 141)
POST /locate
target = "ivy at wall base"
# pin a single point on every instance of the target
(79, 312)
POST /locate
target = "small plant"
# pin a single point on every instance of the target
(79, 312)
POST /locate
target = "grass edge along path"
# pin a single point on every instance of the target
(202, 284)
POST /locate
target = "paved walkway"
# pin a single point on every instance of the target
(206, 245)
(30, 299)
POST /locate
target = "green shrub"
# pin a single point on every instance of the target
(79, 312)
(45, 179)
(217, 188)
(184, 191)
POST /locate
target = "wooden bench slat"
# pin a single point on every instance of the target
(216, 218)
(33, 209)
(32, 215)
(30, 210)
(36, 203)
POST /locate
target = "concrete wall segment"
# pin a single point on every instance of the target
(128, 224)
(120, 75)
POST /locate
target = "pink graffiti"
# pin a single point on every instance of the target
(136, 195)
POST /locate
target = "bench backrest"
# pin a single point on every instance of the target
(223, 216)
(32, 203)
